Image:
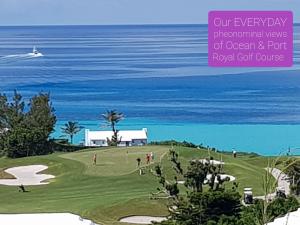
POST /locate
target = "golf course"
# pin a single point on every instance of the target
(113, 188)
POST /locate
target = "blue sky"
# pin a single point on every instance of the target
(53, 12)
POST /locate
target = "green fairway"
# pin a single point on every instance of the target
(113, 188)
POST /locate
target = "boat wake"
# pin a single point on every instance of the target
(18, 57)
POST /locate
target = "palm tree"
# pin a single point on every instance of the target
(71, 128)
(112, 117)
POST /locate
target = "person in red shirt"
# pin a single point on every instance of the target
(148, 158)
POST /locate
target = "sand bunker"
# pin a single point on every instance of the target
(223, 176)
(26, 175)
(142, 219)
(214, 162)
(43, 219)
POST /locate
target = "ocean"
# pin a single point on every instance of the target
(158, 76)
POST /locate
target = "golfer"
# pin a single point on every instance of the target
(95, 159)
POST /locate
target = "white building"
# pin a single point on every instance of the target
(126, 137)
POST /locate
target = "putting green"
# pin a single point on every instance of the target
(116, 161)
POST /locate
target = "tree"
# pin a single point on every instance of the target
(264, 211)
(213, 206)
(3, 121)
(112, 117)
(13, 120)
(219, 206)
(253, 215)
(11, 114)
(206, 208)
(174, 159)
(26, 133)
(71, 129)
(293, 171)
(17, 110)
(41, 120)
(3, 113)
(196, 175)
(158, 170)
(172, 189)
(41, 114)
(215, 182)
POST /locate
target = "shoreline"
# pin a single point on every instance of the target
(263, 139)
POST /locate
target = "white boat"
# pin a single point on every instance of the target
(35, 52)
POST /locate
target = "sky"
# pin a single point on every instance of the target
(107, 12)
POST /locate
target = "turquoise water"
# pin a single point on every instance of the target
(265, 139)
(158, 76)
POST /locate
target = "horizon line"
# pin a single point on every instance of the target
(129, 24)
(145, 24)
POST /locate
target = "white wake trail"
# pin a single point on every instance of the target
(18, 57)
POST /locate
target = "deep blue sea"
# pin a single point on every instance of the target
(158, 76)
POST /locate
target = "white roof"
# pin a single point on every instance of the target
(247, 189)
(124, 135)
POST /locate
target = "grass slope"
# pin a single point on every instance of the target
(112, 189)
